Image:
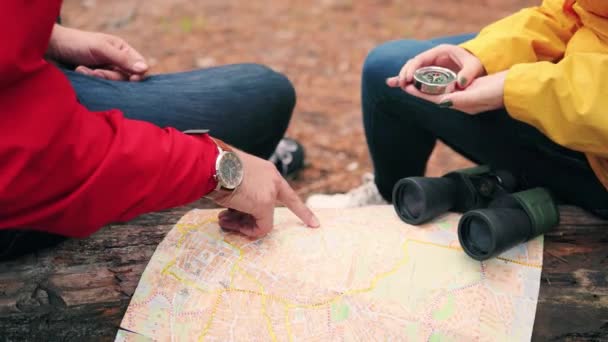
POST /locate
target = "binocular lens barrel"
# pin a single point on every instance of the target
(420, 199)
(486, 233)
(496, 217)
(479, 236)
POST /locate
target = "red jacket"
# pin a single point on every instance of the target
(67, 170)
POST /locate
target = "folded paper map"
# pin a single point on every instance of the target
(363, 276)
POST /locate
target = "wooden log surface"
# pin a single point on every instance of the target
(80, 289)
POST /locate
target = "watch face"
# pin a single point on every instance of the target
(230, 170)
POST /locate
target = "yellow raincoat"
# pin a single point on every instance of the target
(557, 57)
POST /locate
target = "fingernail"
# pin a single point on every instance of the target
(463, 81)
(140, 66)
(446, 104)
(315, 222)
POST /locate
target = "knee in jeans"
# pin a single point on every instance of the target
(382, 62)
(274, 102)
(386, 60)
(278, 87)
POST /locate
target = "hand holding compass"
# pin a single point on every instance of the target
(434, 80)
(432, 76)
(444, 60)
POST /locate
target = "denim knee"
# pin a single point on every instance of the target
(271, 108)
(383, 62)
(387, 59)
(278, 88)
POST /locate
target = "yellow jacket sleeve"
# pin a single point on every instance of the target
(533, 34)
(566, 101)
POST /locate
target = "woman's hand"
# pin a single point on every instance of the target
(451, 57)
(484, 94)
(96, 54)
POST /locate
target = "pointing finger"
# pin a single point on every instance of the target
(291, 200)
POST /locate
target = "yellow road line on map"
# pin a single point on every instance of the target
(236, 264)
(168, 266)
(187, 282)
(210, 320)
(522, 263)
(264, 296)
(184, 228)
(436, 245)
(233, 271)
(288, 324)
(404, 260)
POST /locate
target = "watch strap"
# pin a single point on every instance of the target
(219, 190)
(222, 145)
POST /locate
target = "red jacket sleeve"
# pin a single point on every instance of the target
(69, 171)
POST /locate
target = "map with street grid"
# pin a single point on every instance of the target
(363, 276)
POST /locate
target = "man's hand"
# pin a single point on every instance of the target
(252, 203)
(96, 54)
(484, 94)
(451, 57)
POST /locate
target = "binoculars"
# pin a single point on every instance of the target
(496, 214)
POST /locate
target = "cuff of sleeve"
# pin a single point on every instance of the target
(486, 53)
(210, 154)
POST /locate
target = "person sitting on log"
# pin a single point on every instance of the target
(99, 144)
(530, 99)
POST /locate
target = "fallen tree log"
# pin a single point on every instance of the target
(80, 289)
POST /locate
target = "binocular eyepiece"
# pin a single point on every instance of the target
(496, 217)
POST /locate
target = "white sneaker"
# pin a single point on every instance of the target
(364, 195)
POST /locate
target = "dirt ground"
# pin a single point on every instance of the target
(319, 44)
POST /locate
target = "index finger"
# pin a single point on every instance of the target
(401, 77)
(125, 56)
(110, 75)
(291, 200)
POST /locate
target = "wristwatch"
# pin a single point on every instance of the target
(228, 167)
(228, 171)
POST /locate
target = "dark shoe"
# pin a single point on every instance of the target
(17, 243)
(288, 157)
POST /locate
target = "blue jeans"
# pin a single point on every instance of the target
(247, 105)
(401, 131)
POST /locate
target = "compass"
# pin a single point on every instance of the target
(434, 80)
